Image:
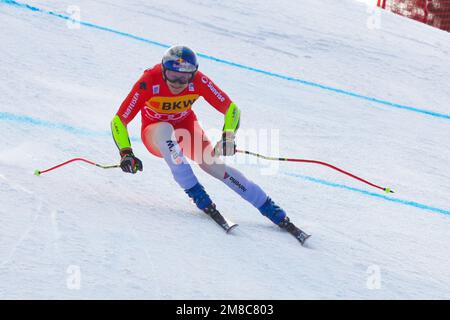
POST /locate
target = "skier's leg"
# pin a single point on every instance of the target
(251, 192)
(159, 138)
(232, 177)
(246, 188)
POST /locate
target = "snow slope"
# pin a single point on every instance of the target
(373, 101)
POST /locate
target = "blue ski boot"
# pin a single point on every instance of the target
(198, 194)
(278, 216)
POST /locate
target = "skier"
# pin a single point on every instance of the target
(165, 94)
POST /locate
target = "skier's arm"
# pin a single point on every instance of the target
(127, 111)
(128, 162)
(221, 102)
(212, 93)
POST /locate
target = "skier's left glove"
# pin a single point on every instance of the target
(129, 162)
(226, 146)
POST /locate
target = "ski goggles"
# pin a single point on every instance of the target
(178, 77)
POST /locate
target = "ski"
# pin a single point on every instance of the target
(299, 234)
(226, 224)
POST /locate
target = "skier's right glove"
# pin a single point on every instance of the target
(129, 163)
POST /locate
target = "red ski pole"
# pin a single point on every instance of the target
(39, 172)
(388, 190)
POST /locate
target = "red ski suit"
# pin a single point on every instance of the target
(152, 97)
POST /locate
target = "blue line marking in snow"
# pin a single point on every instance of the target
(237, 65)
(372, 194)
(6, 116)
(23, 119)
